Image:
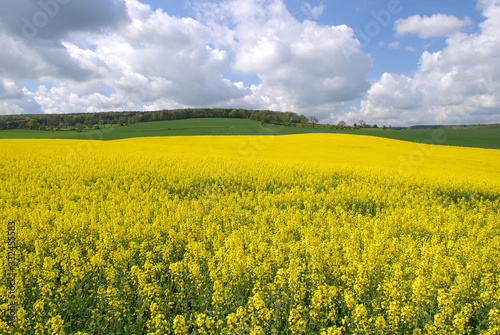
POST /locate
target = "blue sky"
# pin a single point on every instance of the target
(398, 62)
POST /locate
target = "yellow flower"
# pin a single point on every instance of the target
(180, 325)
(326, 233)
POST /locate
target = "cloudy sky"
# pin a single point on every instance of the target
(397, 62)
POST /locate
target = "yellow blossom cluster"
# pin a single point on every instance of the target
(306, 234)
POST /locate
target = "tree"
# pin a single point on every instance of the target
(362, 123)
(79, 127)
(341, 124)
(88, 121)
(291, 117)
(313, 120)
(33, 124)
(302, 120)
(78, 119)
(285, 118)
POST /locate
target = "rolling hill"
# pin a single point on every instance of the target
(467, 137)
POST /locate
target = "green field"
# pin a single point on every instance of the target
(186, 127)
(466, 137)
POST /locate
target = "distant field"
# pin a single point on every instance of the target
(466, 137)
(488, 138)
(187, 127)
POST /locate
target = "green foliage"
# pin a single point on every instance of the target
(33, 124)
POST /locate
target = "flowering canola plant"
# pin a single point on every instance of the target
(301, 234)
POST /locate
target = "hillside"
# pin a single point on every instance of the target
(467, 137)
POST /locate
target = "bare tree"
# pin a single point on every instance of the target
(313, 120)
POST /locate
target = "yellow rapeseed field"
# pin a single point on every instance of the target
(314, 234)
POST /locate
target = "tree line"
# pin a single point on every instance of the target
(79, 121)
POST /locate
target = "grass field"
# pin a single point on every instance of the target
(187, 127)
(468, 137)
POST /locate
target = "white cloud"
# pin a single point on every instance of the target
(164, 56)
(31, 33)
(140, 59)
(63, 98)
(437, 25)
(10, 90)
(459, 84)
(9, 107)
(302, 65)
(151, 57)
(394, 45)
(311, 11)
(392, 99)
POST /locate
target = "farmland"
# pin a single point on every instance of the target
(316, 234)
(478, 137)
(186, 127)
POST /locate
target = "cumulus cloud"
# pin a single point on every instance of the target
(15, 99)
(122, 55)
(32, 33)
(459, 84)
(164, 56)
(140, 58)
(301, 64)
(437, 25)
(102, 55)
